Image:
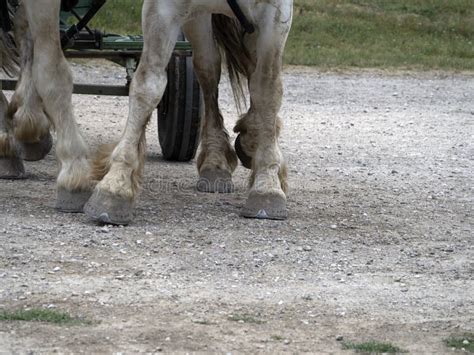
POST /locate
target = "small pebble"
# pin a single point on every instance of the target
(339, 338)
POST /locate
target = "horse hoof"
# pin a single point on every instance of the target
(71, 201)
(265, 206)
(245, 159)
(215, 180)
(12, 169)
(105, 208)
(36, 151)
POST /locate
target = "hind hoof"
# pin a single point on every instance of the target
(12, 169)
(71, 201)
(217, 180)
(36, 151)
(245, 159)
(265, 206)
(105, 208)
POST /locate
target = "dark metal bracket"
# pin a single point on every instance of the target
(67, 37)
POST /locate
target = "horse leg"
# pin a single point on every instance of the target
(11, 165)
(217, 159)
(114, 197)
(259, 129)
(53, 81)
(30, 124)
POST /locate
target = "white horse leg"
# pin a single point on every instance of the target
(114, 196)
(53, 81)
(217, 159)
(260, 128)
(30, 124)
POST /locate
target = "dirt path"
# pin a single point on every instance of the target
(378, 245)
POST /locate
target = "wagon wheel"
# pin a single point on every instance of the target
(179, 112)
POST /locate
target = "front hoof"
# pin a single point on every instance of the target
(215, 180)
(38, 150)
(106, 208)
(71, 201)
(265, 206)
(12, 169)
(244, 158)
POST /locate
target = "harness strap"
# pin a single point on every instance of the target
(246, 24)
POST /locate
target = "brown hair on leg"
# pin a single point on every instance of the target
(6, 148)
(101, 161)
(137, 174)
(29, 121)
(283, 176)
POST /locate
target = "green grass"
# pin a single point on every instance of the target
(372, 347)
(245, 318)
(458, 342)
(120, 16)
(413, 34)
(202, 322)
(40, 315)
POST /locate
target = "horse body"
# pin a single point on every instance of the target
(253, 58)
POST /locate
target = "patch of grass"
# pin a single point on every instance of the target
(465, 342)
(40, 315)
(120, 16)
(202, 322)
(245, 318)
(417, 34)
(372, 347)
(413, 34)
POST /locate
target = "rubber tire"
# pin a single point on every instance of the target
(179, 112)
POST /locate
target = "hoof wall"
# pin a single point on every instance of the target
(265, 206)
(106, 208)
(71, 201)
(12, 169)
(215, 181)
(36, 151)
(245, 159)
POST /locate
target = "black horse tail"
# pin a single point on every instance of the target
(9, 57)
(229, 35)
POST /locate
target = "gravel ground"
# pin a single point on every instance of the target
(378, 245)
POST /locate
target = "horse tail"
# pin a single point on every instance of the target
(229, 35)
(9, 57)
